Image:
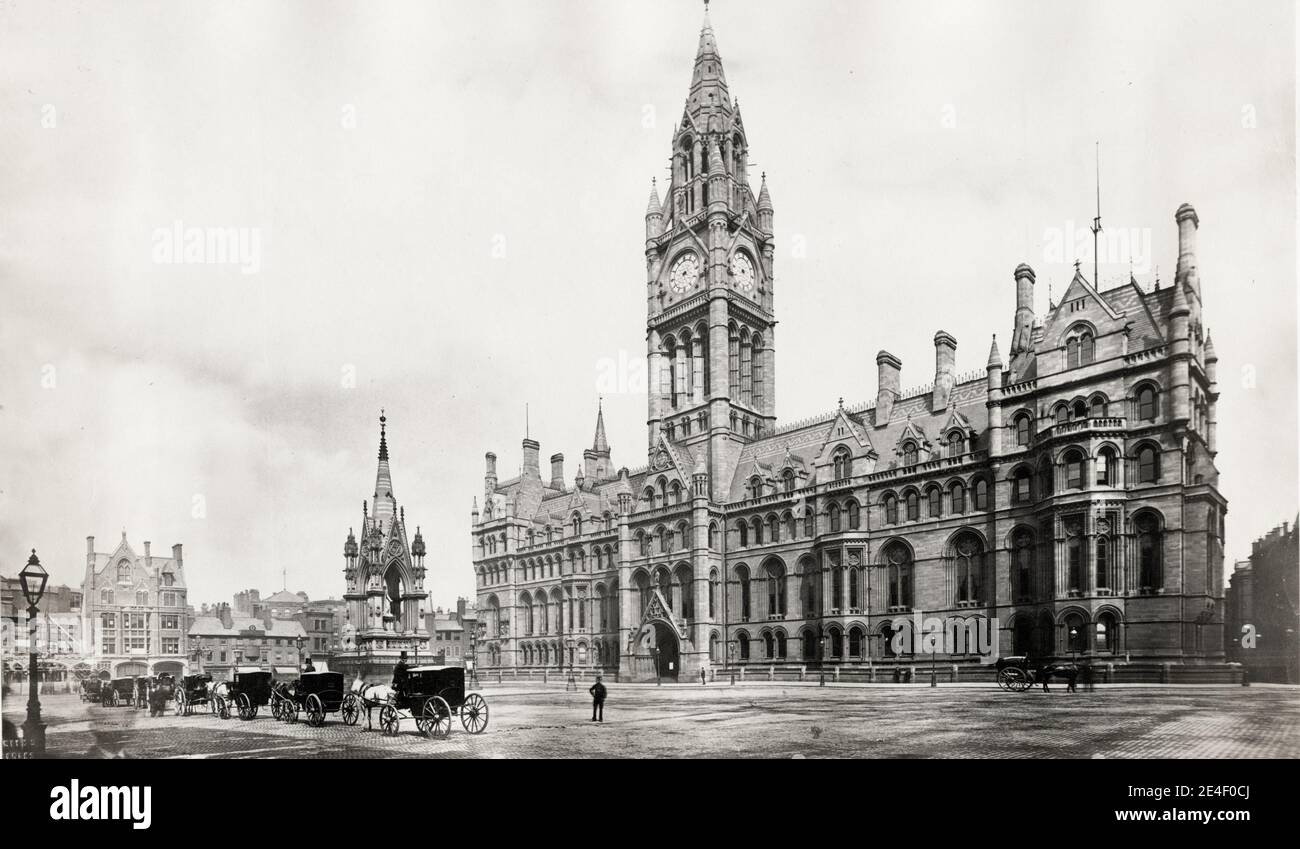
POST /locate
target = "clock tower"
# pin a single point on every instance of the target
(710, 327)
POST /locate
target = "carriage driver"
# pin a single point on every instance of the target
(309, 666)
(399, 672)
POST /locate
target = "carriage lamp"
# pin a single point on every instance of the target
(33, 578)
(1074, 645)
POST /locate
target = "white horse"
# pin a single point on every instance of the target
(372, 696)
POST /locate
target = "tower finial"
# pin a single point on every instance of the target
(1096, 223)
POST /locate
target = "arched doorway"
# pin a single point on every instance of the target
(667, 651)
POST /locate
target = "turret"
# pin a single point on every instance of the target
(654, 214)
(1188, 224)
(945, 370)
(1212, 414)
(490, 477)
(765, 208)
(888, 371)
(1022, 335)
(994, 369)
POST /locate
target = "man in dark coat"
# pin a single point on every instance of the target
(597, 691)
(399, 672)
(309, 666)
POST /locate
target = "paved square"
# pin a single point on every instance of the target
(749, 720)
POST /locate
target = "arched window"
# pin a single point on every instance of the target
(837, 645)
(756, 528)
(956, 444)
(934, 502)
(742, 576)
(981, 494)
(809, 640)
(1150, 556)
(787, 481)
(909, 454)
(1098, 407)
(743, 530)
(898, 567)
(577, 525)
(968, 562)
(1074, 556)
(775, 589)
(742, 641)
(124, 571)
(780, 645)
(957, 495)
(1061, 414)
(713, 537)
(1105, 467)
(1106, 628)
(1080, 348)
(773, 529)
(643, 543)
(1147, 403)
(1102, 561)
(855, 588)
(1020, 486)
(1148, 464)
(913, 506)
(1076, 634)
(769, 645)
(1024, 430)
(843, 464)
(891, 510)
(855, 516)
(855, 642)
(809, 523)
(833, 517)
(1079, 410)
(755, 487)
(1022, 557)
(1073, 462)
(713, 583)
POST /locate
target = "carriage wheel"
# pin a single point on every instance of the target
(220, 707)
(1018, 680)
(275, 707)
(389, 721)
(315, 711)
(474, 713)
(291, 711)
(351, 709)
(436, 717)
(247, 710)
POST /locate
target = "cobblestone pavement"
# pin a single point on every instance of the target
(749, 720)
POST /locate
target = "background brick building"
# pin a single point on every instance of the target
(1265, 593)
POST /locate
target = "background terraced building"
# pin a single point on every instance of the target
(1068, 488)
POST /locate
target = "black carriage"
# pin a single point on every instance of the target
(192, 692)
(1018, 673)
(117, 692)
(317, 694)
(91, 689)
(431, 695)
(248, 692)
(161, 689)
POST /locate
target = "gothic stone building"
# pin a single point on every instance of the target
(1068, 489)
(385, 583)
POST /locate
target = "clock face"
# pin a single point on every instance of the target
(742, 271)
(685, 274)
(395, 547)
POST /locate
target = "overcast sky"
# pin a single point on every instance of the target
(447, 203)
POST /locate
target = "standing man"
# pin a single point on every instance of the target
(597, 691)
(702, 677)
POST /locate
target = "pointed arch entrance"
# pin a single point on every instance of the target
(666, 649)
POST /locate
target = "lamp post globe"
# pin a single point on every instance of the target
(33, 578)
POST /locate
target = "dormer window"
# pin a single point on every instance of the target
(956, 444)
(124, 571)
(1080, 348)
(842, 464)
(755, 487)
(787, 481)
(909, 454)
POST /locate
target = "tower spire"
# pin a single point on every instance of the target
(384, 501)
(708, 82)
(600, 443)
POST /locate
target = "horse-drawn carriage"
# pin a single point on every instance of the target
(161, 689)
(429, 695)
(193, 691)
(249, 691)
(1017, 674)
(118, 692)
(316, 693)
(91, 689)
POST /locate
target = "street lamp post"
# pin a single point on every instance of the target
(655, 652)
(299, 641)
(731, 658)
(1074, 644)
(33, 578)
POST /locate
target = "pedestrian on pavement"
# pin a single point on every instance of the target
(597, 691)
(702, 678)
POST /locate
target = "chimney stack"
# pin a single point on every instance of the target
(1188, 223)
(490, 478)
(888, 369)
(176, 555)
(90, 546)
(532, 459)
(945, 370)
(227, 621)
(557, 471)
(1023, 333)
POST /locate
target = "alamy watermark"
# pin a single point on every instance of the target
(240, 246)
